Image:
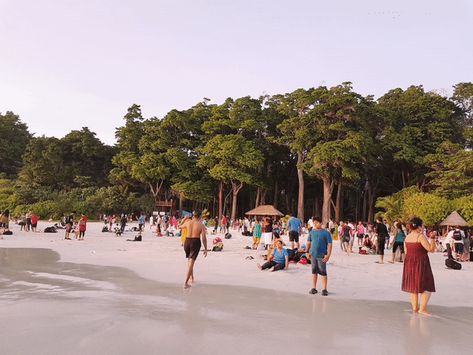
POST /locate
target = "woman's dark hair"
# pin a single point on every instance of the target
(415, 222)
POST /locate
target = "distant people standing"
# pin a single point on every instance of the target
(398, 241)
(224, 224)
(417, 277)
(123, 221)
(346, 237)
(82, 226)
(257, 233)
(294, 226)
(457, 236)
(69, 223)
(184, 229)
(360, 233)
(28, 221)
(267, 232)
(34, 222)
(141, 222)
(382, 233)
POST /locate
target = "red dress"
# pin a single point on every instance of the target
(417, 276)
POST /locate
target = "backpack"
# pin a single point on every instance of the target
(452, 264)
(457, 235)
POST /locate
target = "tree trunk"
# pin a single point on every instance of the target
(371, 200)
(338, 203)
(327, 199)
(276, 194)
(258, 192)
(263, 196)
(235, 190)
(220, 201)
(300, 177)
(181, 203)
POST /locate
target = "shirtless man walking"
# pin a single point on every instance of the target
(195, 231)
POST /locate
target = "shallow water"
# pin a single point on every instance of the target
(52, 307)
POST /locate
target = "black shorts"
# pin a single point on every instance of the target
(192, 247)
(294, 236)
(360, 236)
(399, 245)
(34, 225)
(380, 246)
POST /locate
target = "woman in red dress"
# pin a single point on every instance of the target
(417, 277)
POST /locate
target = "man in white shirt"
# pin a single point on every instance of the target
(456, 236)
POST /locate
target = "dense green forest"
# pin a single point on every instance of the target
(325, 151)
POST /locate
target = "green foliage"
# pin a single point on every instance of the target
(452, 170)
(231, 158)
(393, 205)
(432, 209)
(464, 206)
(14, 137)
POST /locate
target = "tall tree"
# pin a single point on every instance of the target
(233, 159)
(14, 137)
(296, 132)
(128, 139)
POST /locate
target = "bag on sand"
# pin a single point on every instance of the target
(50, 230)
(228, 235)
(452, 264)
(218, 247)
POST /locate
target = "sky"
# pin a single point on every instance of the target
(70, 64)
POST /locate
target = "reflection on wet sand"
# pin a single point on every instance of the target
(114, 310)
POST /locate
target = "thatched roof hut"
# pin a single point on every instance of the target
(264, 210)
(454, 220)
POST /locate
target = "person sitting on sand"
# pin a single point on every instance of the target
(278, 260)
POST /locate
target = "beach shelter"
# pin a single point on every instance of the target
(264, 210)
(453, 220)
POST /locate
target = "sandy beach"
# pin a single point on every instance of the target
(105, 295)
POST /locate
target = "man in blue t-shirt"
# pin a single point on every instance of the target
(319, 245)
(294, 227)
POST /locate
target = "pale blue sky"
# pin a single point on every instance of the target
(66, 64)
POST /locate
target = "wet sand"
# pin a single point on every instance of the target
(53, 307)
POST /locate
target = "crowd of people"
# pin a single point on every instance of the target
(410, 242)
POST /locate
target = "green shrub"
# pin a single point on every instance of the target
(432, 209)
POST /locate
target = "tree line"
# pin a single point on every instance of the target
(326, 151)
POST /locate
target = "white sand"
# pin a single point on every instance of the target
(105, 295)
(356, 277)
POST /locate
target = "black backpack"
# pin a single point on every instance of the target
(457, 235)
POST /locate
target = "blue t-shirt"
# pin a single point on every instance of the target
(294, 224)
(141, 220)
(400, 237)
(280, 256)
(320, 239)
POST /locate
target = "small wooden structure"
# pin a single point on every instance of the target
(264, 210)
(454, 220)
(166, 206)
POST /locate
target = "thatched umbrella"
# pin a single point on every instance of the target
(264, 210)
(454, 220)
